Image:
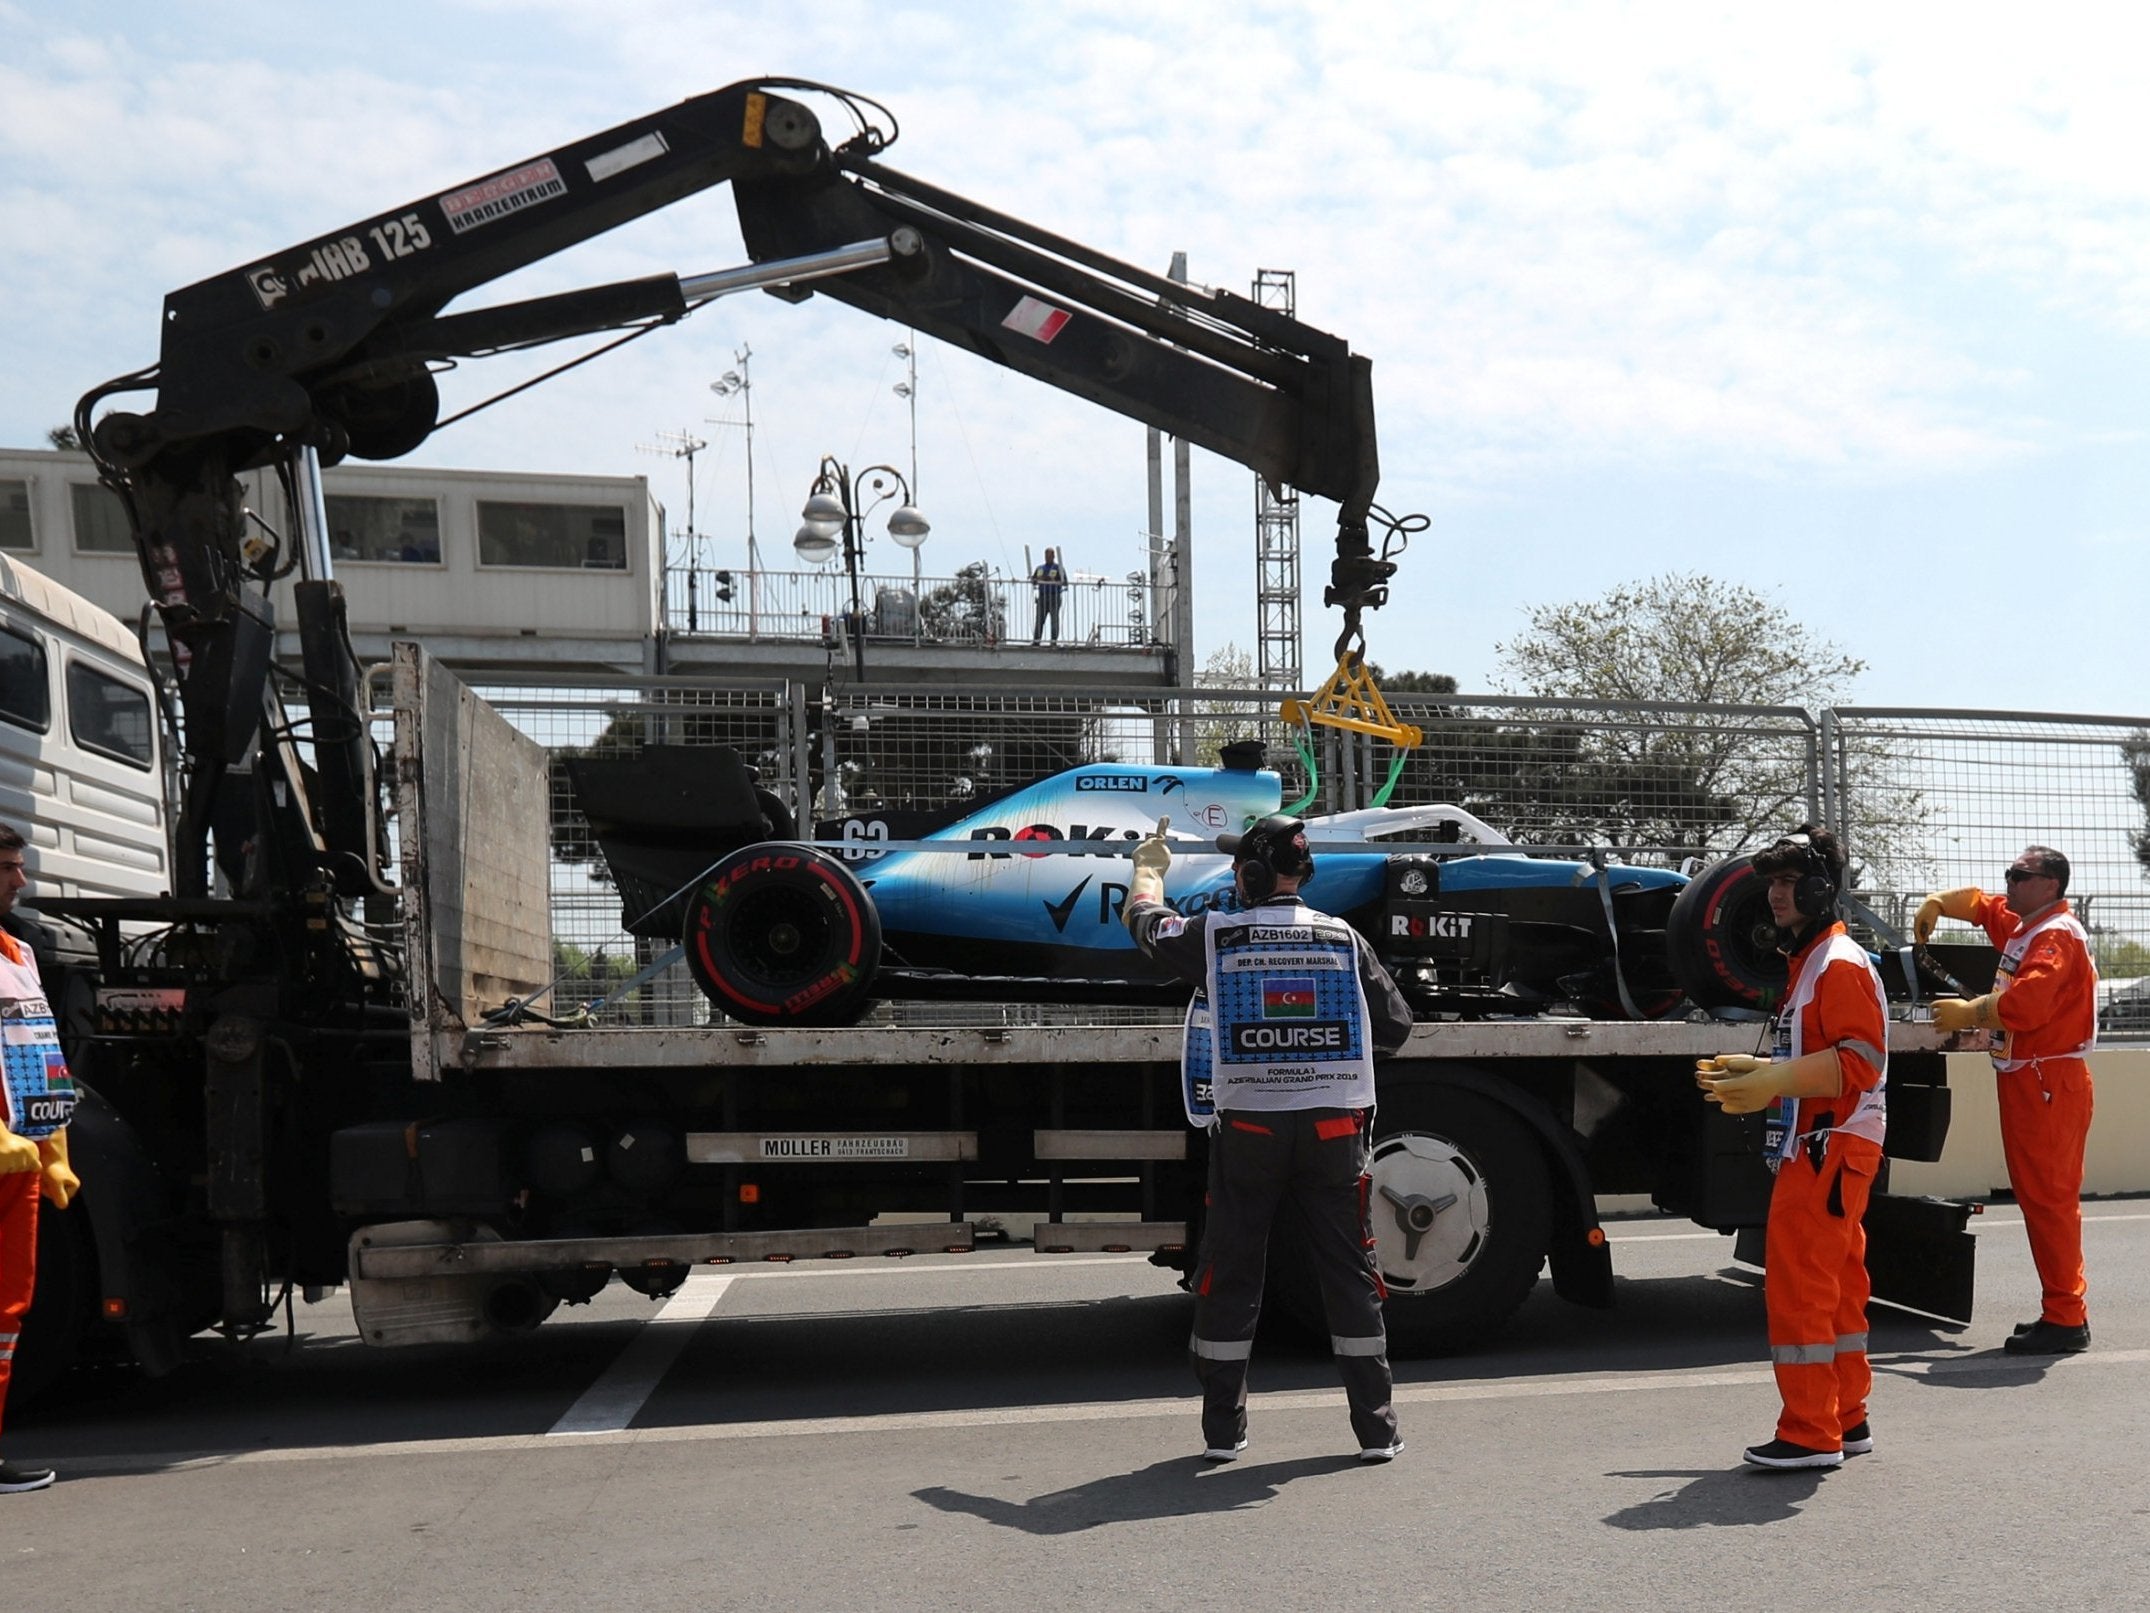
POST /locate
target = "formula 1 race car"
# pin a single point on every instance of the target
(1019, 899)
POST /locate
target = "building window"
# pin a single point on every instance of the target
(100, 520)
(108, 716)
(25, 692)
(398, 529)
(15, 516)
(569, 535)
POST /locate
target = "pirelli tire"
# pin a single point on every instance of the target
(1470, 1179)
(1721, 941)
(780, 934)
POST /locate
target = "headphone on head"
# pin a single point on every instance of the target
(1269, 851)
(1816, 892)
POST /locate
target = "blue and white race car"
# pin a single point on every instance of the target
(1019, 899)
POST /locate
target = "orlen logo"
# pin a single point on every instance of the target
(1447, 926)
(1113, 783)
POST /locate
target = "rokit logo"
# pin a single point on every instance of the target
(1435, 926)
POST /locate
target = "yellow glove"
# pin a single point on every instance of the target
(1978, 1013)
(1154, 856)
(61, 1184)
(18, 1154)
(1959, 904)
(1739, 1082)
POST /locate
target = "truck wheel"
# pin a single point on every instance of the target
(1721, 940)
(780, 934)
(63, 1306)
(1460, 1203)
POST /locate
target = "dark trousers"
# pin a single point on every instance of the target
(1048, 616)
(1314, 1159)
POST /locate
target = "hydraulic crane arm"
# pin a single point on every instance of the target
(332, 344)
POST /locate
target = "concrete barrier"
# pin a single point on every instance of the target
(1970, 1166)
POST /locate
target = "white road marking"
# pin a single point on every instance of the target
(1986, 1221)
(1183, 1406)
(610, 1404)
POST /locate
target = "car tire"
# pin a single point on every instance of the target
(1721, 940)
(779, 934)
(1454, 1286)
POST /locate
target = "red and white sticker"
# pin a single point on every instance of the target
(497, 197)
(1040, 321)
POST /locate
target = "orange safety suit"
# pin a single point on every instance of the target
(1815, 1281)
(2048, 1010)
(20, 1188)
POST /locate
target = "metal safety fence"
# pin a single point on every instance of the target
(978, 607)
(1923, 799)
(1934, 800)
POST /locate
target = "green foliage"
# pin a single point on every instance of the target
(963, 610)
(1709, 781)
(64, 437)
(1403, 683)
(2135, 753)
(1219, 723)
(2118, 959)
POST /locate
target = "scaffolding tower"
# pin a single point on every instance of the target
(1276, 540)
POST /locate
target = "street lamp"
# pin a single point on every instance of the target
(834, 521)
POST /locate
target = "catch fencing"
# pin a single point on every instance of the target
(1923, 799)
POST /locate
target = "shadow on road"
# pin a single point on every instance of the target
(1176, 1488)
(1720, 1499)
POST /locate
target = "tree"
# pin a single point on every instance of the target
(64, 437)
(1712, 780)
(1219, 723)
(2135, 753)
(964, 610)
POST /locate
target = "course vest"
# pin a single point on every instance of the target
(2012, 956)
(1869, 1116)
(39, 1096)
(1289, 1025)
(1197, 1092)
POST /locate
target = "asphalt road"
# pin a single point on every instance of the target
(1008, 1431)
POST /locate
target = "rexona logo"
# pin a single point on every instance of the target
(1452, 926)
(1304, 1036)
(1112, 783)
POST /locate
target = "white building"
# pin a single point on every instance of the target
(497, 571)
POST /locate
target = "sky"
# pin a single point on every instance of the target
(1849, 304)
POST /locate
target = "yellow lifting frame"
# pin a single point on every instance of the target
(1351, 700)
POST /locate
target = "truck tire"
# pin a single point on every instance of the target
(1722, 941)
(1475, 1258)
(779, 934)
(63, 1308)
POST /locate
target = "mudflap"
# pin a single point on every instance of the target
(1919, 1253)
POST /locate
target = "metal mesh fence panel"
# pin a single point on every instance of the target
(1652, 781)
(1923, 799)
(1938, 799)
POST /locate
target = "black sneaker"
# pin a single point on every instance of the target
(1858, 1439)
(1783, 1453)
(2048, 1338)
(1225, 1453)
(16, 1480)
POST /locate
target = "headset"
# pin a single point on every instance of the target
(1816, 892)
(1270, 850)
